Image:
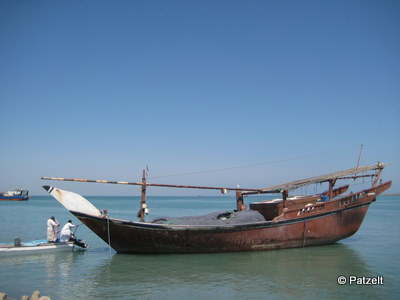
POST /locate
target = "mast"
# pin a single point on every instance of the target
(143, 205)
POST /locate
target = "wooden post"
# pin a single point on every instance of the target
(143, 204)
(377, 177)
(284, 197)
(239, 201)
(330, 191)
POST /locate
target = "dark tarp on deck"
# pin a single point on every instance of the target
(215, 218)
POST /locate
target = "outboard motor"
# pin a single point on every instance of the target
(78, 242)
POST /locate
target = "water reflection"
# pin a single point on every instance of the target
(43, 271)
(285, 273)
(48, 259)
(303, 273)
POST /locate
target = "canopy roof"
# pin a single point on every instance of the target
(323, 178)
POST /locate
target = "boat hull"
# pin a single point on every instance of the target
(45, 248)
(314, 224)
(16, 195)
(136, 237)
(14, 198)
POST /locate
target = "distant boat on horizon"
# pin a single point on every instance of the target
(15, 195)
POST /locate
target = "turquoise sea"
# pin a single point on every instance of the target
(308, 273)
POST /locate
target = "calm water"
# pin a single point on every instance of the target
(303, 273)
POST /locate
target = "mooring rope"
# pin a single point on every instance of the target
(108, 233)
(77, 227)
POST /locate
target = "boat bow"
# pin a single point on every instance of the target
(72, 201)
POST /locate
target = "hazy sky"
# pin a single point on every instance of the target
(100, 89)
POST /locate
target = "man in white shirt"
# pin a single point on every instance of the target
(52, 229)
(66, 231)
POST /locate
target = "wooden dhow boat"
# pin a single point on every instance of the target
(287, 222)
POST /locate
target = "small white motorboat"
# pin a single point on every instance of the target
(40, 246)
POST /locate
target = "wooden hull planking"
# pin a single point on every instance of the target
(317, 224)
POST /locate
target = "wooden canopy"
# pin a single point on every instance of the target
(322, 178)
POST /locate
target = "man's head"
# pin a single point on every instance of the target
(52, 218)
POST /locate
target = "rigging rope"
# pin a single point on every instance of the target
(235, 167)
